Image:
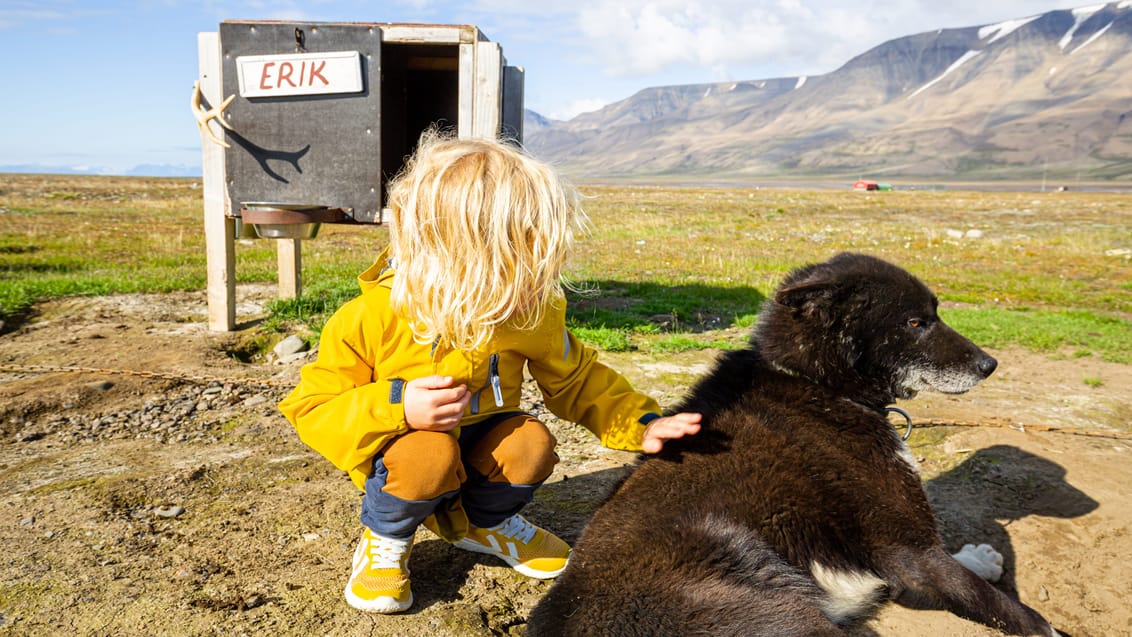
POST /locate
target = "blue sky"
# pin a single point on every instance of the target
(106, 84)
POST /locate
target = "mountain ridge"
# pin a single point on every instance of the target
(1021, 99)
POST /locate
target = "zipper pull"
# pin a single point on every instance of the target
(496, 385)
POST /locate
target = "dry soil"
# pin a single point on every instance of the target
(166, 496)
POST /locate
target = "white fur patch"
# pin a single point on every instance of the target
(905, 454)
(946, 380)
(982, 560)
(851, 593)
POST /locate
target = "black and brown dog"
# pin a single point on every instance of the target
(798, 509)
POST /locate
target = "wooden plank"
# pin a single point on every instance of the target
(219, 228)
(467, 111)
(513, 103)
(428, 34)
(289, 258)
(489, 90)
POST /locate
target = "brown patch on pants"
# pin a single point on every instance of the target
(519, 450)
(427, 464)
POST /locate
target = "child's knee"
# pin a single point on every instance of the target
(517, 451)
(423, 465)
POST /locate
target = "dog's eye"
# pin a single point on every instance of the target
(916, 323)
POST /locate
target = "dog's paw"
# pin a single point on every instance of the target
(982, 560)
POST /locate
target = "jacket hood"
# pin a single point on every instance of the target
(380, 274)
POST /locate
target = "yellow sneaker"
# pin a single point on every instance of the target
(379, 581)
(532, 551)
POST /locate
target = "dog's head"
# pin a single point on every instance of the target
(867, 329)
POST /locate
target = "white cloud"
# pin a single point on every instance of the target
(644, 37)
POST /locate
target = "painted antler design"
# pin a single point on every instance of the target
(215, 113)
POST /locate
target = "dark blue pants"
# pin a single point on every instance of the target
(494, 468)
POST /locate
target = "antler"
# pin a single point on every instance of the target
(215, 113)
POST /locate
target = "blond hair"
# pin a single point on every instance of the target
(480, 234)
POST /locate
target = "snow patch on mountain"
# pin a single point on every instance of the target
(1092, 38)
(963, 59)
(1080, 15)
(1003, 29)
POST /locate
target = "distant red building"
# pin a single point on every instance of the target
(865, 184)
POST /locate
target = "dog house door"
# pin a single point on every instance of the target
(305, 122)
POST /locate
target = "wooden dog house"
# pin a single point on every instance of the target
(304, 123)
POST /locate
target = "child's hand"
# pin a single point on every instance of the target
(668, 427)
(432, 403)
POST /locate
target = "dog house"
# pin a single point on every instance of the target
(304, 123)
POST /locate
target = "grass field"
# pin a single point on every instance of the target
(673, 267)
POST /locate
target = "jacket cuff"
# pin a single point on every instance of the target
(394, 402)
(647, 418)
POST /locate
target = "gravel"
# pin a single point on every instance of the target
(192, 413)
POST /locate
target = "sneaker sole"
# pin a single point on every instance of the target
(383, 605)
(470, 545)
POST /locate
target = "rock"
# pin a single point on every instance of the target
(253, 400)
(293, 344)
(290, 358)
(168, 512)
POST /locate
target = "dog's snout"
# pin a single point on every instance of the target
(986, 364)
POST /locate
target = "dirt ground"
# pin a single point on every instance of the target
(175, 500)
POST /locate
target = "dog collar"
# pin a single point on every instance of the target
(907, 419)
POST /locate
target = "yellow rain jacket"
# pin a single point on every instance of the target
(347, 405)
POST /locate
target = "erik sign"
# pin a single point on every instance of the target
(299, 74)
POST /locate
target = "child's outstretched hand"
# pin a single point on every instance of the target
(666, 428)
(432, 403)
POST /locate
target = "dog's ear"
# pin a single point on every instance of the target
(810, 300)
(811, 291)
(814, 296)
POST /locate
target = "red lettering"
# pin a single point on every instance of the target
(285, 70)
(316, 71)
(263, 78)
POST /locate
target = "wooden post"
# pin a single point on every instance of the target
(219, 228)
(289, 257)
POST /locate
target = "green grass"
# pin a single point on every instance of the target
(667, 268)
(1078, 332)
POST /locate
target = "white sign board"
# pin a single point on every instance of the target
(299, 74)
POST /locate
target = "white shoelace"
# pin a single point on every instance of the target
(516, 527)
(386, 552)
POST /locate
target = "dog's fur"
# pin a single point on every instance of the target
(798, 509)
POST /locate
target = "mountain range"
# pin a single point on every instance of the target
(1043, 95)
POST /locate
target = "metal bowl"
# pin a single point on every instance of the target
(287, 230)
(281, 205)
(285, 220)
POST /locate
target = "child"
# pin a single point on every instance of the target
(416, 388)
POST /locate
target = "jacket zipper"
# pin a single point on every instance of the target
(493, 378)
(494, 381)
